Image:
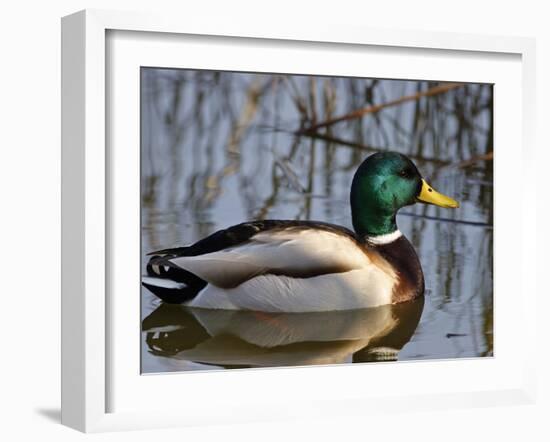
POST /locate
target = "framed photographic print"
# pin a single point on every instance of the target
(277, 222)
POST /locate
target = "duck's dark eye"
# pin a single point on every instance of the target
(406, 173)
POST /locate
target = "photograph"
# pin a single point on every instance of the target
(292, 220)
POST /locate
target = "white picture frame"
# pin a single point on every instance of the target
(87, 238)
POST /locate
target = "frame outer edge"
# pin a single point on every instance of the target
(293, 30)
(530, 209)
(72, 221)
(95, 324)
(83, 329)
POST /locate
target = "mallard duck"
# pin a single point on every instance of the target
(307, 266)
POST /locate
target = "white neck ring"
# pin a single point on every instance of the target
(387, 238)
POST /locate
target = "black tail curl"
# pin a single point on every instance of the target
(159, 267)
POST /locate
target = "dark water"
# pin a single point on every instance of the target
(221, 148)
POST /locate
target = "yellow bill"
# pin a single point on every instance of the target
(429, 196)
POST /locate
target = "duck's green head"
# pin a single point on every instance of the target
(384, 183)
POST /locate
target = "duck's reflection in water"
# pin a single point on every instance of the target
(236, 339)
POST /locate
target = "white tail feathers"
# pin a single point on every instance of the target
(162, 283)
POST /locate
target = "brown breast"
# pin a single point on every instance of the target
(401, 257)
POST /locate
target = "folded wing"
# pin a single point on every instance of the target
(294, 251)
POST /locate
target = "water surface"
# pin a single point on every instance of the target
(222, 148)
